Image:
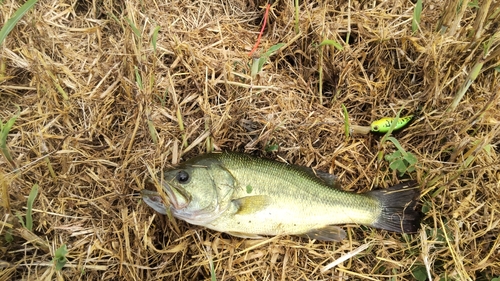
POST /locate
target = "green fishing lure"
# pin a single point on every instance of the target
(383, 125)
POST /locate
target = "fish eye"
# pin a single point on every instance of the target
(182, 177)
(375, 128)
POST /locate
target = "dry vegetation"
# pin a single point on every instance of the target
(90, 88)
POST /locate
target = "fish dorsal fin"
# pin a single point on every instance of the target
(327, 233)
(327, 178)
(251, 204)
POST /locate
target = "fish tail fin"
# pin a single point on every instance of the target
(400, 207)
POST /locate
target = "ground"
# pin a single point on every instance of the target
(104, 94)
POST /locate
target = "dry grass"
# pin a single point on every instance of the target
(72, 67)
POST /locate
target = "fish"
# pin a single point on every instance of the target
(252, 197)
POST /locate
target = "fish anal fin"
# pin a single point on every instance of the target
(251, 204)
(244, 235)
(327, 233)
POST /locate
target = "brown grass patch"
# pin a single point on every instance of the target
(73, 69)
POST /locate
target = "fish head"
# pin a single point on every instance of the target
(197, 192)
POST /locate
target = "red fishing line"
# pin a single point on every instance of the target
(266, 14)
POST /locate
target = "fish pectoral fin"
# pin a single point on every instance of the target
(244, 235)
(327, 233)
(251, 204)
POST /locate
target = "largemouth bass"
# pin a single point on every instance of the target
(249, 197)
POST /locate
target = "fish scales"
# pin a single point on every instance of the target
(300, 201)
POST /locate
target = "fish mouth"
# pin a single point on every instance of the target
(154, 200)
(178, 199)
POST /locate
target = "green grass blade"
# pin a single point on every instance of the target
(272, 49)
(31, 199)
(268, 53)
(58, 87)
(213, 277)
(7, 28)
(5, 129)
(152, 132)
(20, 218)
(415, 22)
(397, 144)
(346, 121)
(151, 127)
(473, 4)
(334, 43)
(154, 39)
(136, 31)
(138, 78)
(476, 70)
(51, 169)
(180, 122)
(4, 132)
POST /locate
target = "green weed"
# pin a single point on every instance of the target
(151, 127)
(7, 28)
(258, 63)
(138, 78)
(154, 38)
(31, 199)
(415, 22)
(346, 121)
(29, 208)
(474, 73)
(399, 160)
(4, 132)
(136, 31)
(334, 43)
(162, 99)
(419, 272)
(60, 257)
(271, 147)
(473, 4)
(51, 169)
